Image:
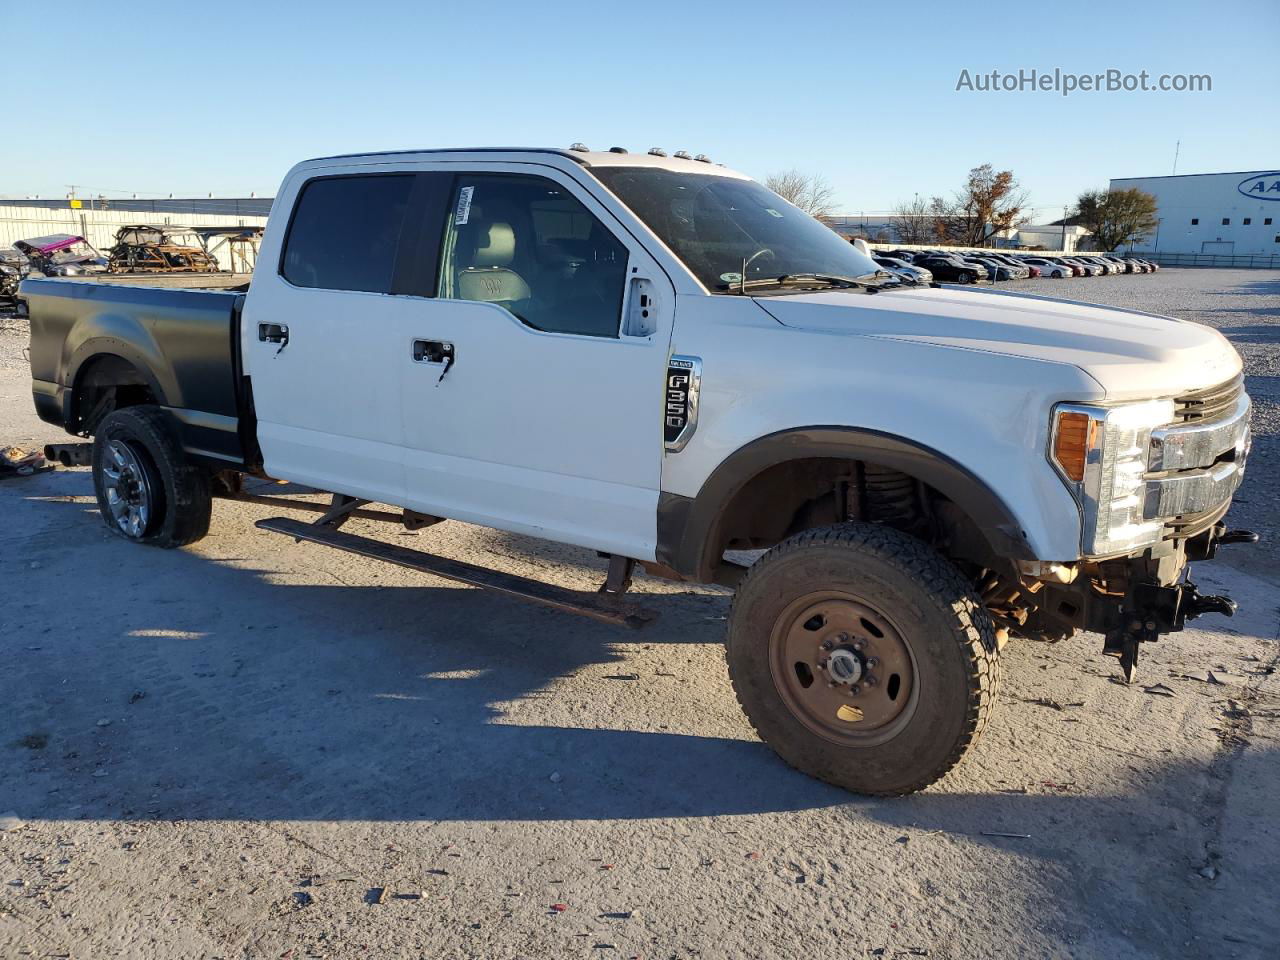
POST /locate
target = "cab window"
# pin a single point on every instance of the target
(527, 245)
(345, 233)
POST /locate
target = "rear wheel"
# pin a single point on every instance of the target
(147, 491)
(863, 658)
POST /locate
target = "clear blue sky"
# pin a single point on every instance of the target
(861, 93)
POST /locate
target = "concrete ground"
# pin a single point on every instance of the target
(251, 749)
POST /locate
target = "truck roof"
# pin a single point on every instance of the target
(585, 158)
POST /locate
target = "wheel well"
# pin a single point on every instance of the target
(105, 383)
(796, 495)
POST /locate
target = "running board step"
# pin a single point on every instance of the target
(607, 608)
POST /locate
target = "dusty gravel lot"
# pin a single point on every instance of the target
(251, 749)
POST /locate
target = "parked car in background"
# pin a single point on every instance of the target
(1108, 267)
(906, 256)
(62, 255)
(995, 269)
(1050, 268)
(1077, 269)
(952, 269)
(901, 268)
(1020, 270)
(1090, 269)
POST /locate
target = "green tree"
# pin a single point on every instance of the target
(1115, 217)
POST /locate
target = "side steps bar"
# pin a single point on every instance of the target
(605, 607)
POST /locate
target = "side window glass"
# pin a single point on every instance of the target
(345, 233)
(527, 245)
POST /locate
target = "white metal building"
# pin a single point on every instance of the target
(1214, 213)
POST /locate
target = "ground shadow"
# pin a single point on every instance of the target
(243, 694)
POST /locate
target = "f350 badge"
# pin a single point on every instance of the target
(680, 401)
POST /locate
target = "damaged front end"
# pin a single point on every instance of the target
(1153, 481)
(1129, 600)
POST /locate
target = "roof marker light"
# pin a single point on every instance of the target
(617, 149)
(657, 152)
(702, 158)
(579, 147)
(682, 154)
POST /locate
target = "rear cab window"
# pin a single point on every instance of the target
(345, 232)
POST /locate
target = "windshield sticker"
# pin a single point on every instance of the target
(730, 277)
(772, 212)
(464, 206)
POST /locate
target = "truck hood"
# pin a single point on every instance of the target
(1132, 355)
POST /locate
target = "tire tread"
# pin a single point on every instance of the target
(938, 576)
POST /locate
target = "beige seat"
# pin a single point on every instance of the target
(490, 278)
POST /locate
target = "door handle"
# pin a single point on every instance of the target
(432, 351)
(273, 333)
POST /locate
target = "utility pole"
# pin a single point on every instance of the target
(1064, 228)
(1177, 148)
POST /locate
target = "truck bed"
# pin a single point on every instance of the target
(179, 346)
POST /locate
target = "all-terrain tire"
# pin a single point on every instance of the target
(180, 500)
(949, 633)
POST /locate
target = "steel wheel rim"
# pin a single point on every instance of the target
(127, 486)
(843, 668)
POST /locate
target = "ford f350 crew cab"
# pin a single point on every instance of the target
(658, 359)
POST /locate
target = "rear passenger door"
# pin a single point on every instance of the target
(534, 400)
(323, 330)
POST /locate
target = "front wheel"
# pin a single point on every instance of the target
(147, 491)
(863, 658)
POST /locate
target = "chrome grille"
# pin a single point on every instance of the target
(1209, 403)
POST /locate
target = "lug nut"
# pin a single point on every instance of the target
(859, 644)
(854, 690)
(871, 681)
(873, 662)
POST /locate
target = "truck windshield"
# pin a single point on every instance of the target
(715, 224)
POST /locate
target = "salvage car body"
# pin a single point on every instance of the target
(62, 255)
(14, 266)
(149, 248)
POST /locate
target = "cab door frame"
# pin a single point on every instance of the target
(555, 435)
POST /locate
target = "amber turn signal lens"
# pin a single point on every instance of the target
(1072, 441)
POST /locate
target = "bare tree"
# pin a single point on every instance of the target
(811, 192)
(913, 221)
(993, 202)
(989, 203)
(950, 226)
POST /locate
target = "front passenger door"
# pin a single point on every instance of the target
(534, 402)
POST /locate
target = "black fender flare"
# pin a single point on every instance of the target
(688, 526)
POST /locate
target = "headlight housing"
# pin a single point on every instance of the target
(1101, 452)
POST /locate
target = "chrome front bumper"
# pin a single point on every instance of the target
(1195, 467)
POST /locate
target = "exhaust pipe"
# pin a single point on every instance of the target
(69, 454)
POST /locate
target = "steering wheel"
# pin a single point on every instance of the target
(762, 252)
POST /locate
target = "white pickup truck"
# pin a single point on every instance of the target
(657, 358)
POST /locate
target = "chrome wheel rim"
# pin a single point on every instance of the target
(843, 668)
(128, 488)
